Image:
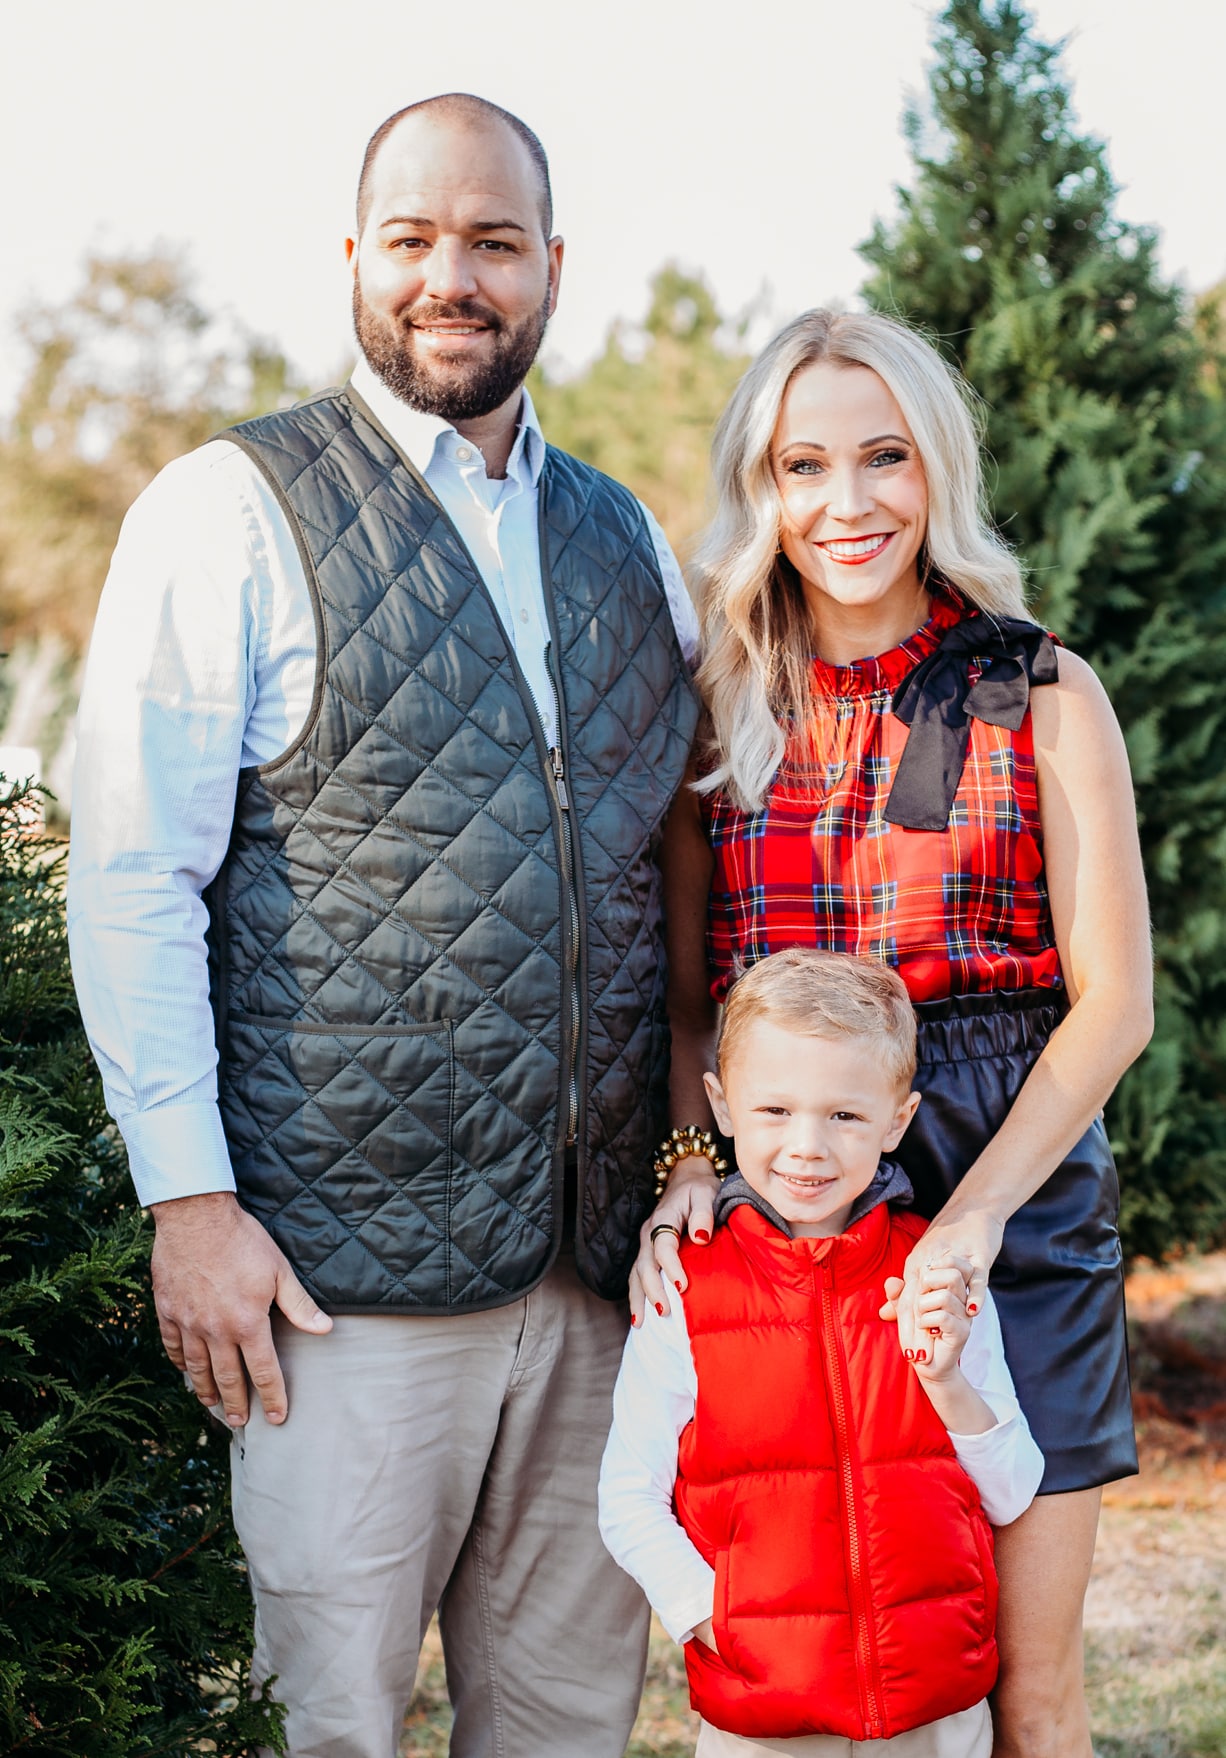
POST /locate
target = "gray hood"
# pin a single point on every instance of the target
(890, 1185)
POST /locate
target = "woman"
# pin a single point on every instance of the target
(957, 803)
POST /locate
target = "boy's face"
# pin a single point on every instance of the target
(811, 1118)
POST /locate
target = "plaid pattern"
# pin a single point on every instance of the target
(961, 911)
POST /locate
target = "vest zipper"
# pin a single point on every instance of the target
(836, 1368)
(557, 764)
(571, 878)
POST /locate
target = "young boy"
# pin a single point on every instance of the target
(807, 1509)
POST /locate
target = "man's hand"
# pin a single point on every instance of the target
(688, 1203)
(216, 1275)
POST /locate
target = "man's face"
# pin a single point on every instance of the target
(453, 279)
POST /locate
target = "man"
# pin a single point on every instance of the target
(385, 706)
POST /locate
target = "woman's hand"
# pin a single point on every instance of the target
(688, 1204)
(970, 1243)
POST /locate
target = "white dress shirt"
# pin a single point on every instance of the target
(656, 1396)
(203, 663)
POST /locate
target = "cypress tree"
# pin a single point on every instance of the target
(1109, 447)
(125, 1622)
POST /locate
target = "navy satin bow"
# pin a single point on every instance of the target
(938, 702)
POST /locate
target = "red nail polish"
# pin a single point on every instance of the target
(634, 1318)
(659, 1309)
(678, 1287)
(921, 1355)
(702, 1237)
(910, 1354)
(972, 1306)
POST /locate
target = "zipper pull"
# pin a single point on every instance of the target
(559, 777)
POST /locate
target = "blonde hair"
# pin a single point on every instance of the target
(756, 674)
(824, 995)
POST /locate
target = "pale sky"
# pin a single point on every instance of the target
(755, 141)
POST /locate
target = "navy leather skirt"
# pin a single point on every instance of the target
(1058, 1282)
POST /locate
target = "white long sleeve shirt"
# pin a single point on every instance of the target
(656, 1396)
(203, 663)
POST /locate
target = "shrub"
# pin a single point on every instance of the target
(125, 1619)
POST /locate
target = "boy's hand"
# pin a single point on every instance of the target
(943, 1321)
(705, 1633)
(942, 1325)
(933, 1330)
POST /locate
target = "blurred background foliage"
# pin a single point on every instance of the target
(126, 374)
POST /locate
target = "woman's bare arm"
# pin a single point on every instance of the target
(686, 863)
(1095, 881)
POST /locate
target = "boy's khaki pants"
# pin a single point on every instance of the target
(965, 1735)
(445, 1463)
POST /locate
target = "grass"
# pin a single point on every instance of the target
(1156, 1611)
(665, 1727)
(1155, 1658)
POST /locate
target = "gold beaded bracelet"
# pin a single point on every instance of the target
(680, 1144)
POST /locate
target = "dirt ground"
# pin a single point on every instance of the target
(1155, 1615)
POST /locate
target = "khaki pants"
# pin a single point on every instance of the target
(445, 1463)
(965, 1735)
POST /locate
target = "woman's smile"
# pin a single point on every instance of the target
(851, 552)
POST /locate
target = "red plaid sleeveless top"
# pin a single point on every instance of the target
(959, 911)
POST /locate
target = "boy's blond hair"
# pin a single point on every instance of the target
(824, 995)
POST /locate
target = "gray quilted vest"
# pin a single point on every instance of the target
(436, 947)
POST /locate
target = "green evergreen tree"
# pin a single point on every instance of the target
(1109, 440)
(125, 1622)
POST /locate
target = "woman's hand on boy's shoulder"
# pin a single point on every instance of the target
(687, 1206)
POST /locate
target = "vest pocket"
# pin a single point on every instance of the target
(340, 1137)
(719, 1616)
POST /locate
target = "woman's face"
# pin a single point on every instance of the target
(855, 500)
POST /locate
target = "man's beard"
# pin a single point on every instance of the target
(462, 390)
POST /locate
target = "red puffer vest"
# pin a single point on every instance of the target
(854, 1588)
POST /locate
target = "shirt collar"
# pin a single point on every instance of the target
(422, 438)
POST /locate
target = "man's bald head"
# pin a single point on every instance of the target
(463, 108)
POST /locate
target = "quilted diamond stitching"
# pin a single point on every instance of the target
(594, 537)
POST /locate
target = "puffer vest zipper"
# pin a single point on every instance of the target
(404, 918)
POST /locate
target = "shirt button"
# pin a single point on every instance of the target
(523, 616)
(463, 453)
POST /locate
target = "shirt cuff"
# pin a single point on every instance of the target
(176, 1150)
(983, 1434)
(690, 1606)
